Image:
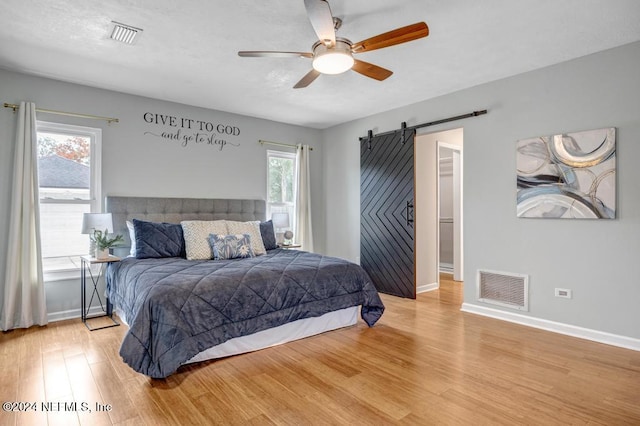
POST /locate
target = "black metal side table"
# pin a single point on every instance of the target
(85, 266)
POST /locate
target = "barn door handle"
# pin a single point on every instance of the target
(409, 213)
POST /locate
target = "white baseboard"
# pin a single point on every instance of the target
(426, 287)
(556, 327)
(72, 313)
(446, 268)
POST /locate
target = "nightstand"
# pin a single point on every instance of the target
(85, 266)
(290, 246)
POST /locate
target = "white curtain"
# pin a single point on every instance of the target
(304, 234)
(24, 301)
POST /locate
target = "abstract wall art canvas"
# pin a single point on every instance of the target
(568, 176)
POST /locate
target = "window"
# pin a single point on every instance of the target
(281, 185)
(69, 185)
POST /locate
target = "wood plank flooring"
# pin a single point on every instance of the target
(425, 362)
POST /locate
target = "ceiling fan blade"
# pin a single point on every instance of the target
(307, 79)
(273, 54)
(371, 71)
(391, 38)
(321, 19)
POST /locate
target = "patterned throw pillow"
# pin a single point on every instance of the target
(231, 246)
(196, 237)
(253, 229)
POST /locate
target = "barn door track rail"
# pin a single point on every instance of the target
(404, 128)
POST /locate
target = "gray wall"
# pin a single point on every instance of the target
(598, 260)
(137, 164)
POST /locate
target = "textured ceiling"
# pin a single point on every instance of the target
(188, 50)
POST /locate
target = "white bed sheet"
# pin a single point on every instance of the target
(278, 335)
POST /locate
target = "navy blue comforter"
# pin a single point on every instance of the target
(177, 308)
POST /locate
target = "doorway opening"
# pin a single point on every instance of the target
(428, 208)
(450, 241)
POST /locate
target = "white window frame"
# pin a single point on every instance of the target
(291, 156)
(95, 185)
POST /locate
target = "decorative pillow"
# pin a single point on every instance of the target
(132, 238)
(155, 239)
(196, 237)
(253, 229)
(231, 246)
(268, 235)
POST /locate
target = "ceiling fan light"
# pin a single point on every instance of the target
(333, 63)
(332, 60)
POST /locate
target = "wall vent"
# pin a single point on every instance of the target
(504, 289)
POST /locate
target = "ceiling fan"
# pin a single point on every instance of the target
(334, 55)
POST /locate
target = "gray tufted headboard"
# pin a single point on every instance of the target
(174, 210)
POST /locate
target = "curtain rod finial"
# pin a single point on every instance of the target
(14, 107)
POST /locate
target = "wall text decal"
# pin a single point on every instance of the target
(186, 131)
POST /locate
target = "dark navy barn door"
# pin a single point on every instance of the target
(386, 213)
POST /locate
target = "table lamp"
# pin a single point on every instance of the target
(93, 221)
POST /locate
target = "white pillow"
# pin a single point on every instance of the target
(253, 229)
(196, 237)
(132, 237)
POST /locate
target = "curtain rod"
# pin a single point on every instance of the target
(431, 123)
(109, 120)
(288, 145)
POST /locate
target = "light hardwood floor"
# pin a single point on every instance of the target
(425, 362)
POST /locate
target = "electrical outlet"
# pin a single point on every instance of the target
(563, 292)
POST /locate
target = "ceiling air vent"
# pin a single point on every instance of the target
(504, 289)
(124, 33)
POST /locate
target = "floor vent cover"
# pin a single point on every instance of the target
(504, 289)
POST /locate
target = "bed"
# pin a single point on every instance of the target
(181, 308)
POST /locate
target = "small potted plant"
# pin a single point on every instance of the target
(104, 242)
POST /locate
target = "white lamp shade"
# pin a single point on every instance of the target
(93, 221)
(280, 220)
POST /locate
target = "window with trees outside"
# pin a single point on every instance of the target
(69, 185)
(281, 185)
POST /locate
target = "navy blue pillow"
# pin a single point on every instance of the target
(268, 235)
(154, 239)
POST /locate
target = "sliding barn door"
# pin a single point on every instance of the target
(386, 213)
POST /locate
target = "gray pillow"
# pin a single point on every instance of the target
(154, 239)
(268, 235)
